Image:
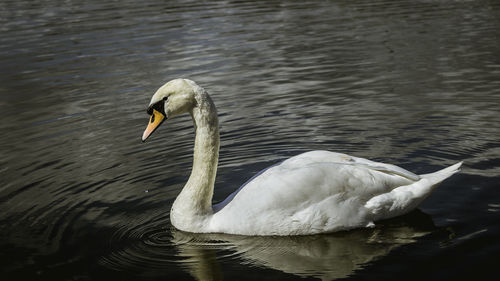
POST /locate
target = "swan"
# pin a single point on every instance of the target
(310, 193)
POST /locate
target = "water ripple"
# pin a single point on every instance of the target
(375, 79)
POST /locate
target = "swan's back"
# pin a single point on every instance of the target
(314, 192)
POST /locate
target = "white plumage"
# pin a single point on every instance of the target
(314, 192)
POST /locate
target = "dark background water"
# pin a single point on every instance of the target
(413, 83)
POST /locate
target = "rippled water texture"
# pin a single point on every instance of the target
(413, 83)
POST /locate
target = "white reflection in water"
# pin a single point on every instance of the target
(328, 257)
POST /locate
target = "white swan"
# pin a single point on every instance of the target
(314, 192)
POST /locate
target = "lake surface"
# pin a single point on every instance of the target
(413, 83)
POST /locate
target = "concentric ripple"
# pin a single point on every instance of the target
(413, 83)
(147, 245)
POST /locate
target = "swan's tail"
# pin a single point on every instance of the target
(405, 198)
(439, 176)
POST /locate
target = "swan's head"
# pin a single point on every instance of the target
(173, 98)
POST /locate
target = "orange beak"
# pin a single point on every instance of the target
(154, 122)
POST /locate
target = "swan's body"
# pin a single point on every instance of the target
(314, 192)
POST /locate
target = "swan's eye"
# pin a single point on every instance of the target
(159, 106)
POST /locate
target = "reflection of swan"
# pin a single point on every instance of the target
(323, 256)
(313, 192)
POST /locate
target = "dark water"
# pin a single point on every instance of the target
(413, 83)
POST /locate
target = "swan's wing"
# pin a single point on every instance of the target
(385, 168)
(321, 156)
(324, 189)
(304, 167)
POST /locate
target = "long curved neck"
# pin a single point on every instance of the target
(195, 200)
